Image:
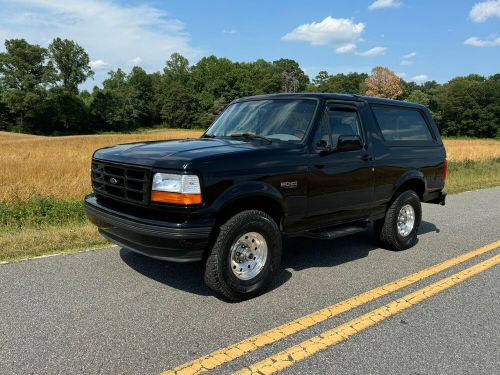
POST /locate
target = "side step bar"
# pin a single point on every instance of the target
(339, 231)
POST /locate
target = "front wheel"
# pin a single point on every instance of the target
(245, 257)
(398, 230)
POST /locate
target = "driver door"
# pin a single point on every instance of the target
(341, 182)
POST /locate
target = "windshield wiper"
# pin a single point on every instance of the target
(206, 135)
(251, 136)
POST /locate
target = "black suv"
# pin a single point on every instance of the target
(319, 165)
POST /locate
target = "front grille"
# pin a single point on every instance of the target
(123, 182)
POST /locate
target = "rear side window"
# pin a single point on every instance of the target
(401, 124)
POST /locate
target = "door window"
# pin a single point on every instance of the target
(336, 122)
(322, 138)
(342, 122)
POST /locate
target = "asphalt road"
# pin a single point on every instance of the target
(111, 311)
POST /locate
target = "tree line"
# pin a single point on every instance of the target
(39, 92)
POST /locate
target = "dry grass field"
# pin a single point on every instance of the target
(472, 149)
(58, 166)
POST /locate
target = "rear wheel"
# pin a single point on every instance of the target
(398, 229)
(245, 256)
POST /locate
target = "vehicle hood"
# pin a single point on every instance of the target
(178, 154)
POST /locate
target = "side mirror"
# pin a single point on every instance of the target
(349, 143)
(323, 148)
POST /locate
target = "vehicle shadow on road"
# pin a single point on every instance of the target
(426, 227)
(299, 253)
(183, 276)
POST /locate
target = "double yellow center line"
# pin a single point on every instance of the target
(331, 337)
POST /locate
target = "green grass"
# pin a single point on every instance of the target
(45, 226)
(40, 212)
(16, 245)
(472, 175)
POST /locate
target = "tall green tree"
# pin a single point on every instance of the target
(65, 113)
(469, 106)
(259, 77)
(107, 104)
(25, 74)
(178, 103)
(216, 79)
(71, 62)
(418, 96)
(321, 78)
(291, 76)
(138, 99)
(351, 83)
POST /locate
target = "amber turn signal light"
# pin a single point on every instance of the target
(175, 198)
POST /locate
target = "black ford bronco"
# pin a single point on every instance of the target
(319, 165)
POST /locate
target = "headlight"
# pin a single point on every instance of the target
(176, 188)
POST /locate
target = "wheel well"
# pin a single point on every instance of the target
(414, 184)
(265, 204)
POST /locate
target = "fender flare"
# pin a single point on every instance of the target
(407, 176)
(249, 189)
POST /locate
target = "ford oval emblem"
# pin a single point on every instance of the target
(113, 180)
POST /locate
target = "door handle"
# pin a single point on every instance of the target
(366, 157)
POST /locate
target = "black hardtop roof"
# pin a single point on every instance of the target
(333, 96)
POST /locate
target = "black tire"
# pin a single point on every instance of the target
(218, 274)
(386, 229)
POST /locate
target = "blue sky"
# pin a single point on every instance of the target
(420, 40)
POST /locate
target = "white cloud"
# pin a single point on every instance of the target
(421, 78)
(135, 61)
(410, 55)
(110, 31)
(342, 33)
(480, 12)
(476, 42)
(229, 31)
(346, 48)
(408, 58)
(375, 51)
(98, 64)
(379, 4)
(401, 75)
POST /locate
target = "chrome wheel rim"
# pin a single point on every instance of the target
(248, 255)
(406, 220)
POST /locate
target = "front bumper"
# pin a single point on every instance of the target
(177, 242)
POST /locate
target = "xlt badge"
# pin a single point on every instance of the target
(289, 184)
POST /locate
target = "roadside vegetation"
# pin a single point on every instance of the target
(45, 178)
(470, 174)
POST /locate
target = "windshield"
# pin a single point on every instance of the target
(280, 119)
